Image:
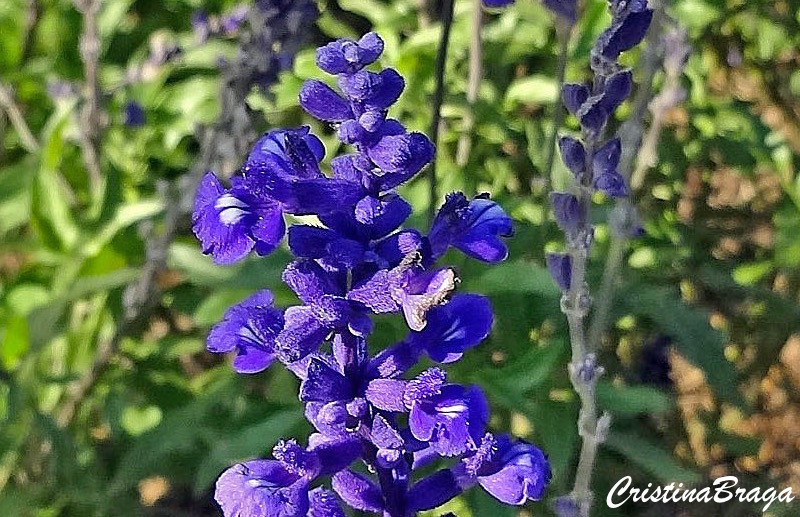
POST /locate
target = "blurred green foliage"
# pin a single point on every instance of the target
(718, 271)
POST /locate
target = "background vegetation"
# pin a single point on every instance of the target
(109, 404)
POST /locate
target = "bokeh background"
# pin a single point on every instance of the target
(109, 404)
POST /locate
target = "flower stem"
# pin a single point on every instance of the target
(575, 304)
(438, 96)
(473, 83)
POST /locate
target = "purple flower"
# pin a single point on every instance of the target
(451, 418)
(625, 32)
(354, 260)
(474, 227)
(135, 115)
(514, 472)
(262, 488)
(323, 503)
(560, 267)
(573, 154)
(358, 491)
(454, 328)
(569, 213)
(325, 311)
(347, 56)
(250, 329)
(497, 3)
(232, 222)
(409, 288)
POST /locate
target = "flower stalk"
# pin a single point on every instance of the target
(594, 161)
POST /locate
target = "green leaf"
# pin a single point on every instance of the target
(124, 217)
(651, 458)
(14, 341)
(631, 400)
(139, 420)
(518, 276)
(249, 442)
(535, 89)
(750, 274)
(49, 205)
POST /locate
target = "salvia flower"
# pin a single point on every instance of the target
(594, 160)
(357, 260)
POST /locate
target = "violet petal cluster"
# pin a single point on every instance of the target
(594, 159)
(376, 426)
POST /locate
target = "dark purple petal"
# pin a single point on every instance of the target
(387, 394)
(474, 227)
(334, 453)
(371, 47)
(384, 435)
(314, 196)
(261, 488)
(347, 56)
(329, 418)
(251, 329)
(560, 267)
(611, 184)
(433, 491)
(323, 503)
(606, 159)
(394, 361)
(377, 292)
(616, 89)
(455, 327)
(324, 384)
(400, 157)
(322, 102)
(494, 4)
(568, 211)
(288, 152)
(573, 154)
(302, 333)
(221, 222)
(344, 168)
(624, 34)
(358, 491)
(593, 114)
(523, 474)
(135, 115)
(308, 280)
(574, 96)
(322, 243)
(451, 420)
(399, 245)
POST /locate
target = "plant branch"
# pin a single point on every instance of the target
(473, 83)
(438, 96)
(91, 117)
(17, 119)
(638, 155)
